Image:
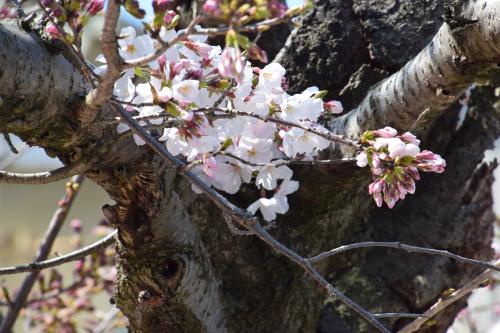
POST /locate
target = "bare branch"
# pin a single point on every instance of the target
(443, 303)
(41, 177)
(284, 161)
(7, 139)
(72, 256)
(405, 247)
(324, 134)
(398, 315)
(100, 95)
(50, 236)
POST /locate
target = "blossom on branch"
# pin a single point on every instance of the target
(395, 162)
(234, 124)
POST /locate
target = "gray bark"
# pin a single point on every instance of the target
(180, 268)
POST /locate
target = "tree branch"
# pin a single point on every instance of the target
(50, 236)
(41, 177)
(405, 247)
(7, 139)
(100, 95)
(72, 256)
(435, 78)
(322, 133)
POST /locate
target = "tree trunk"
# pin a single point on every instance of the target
(182, 270)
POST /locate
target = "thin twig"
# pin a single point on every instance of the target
(281, 162)
(41, 177)
(397, 315)
(43, 251)
(324, 134)
(443, 303)
(72, 256)
(405, 247)
(100, 95)
(7, 139)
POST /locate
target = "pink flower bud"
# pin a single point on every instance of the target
(52, 30)
(169, 16)
(179, 66)
(277, 8)
(95, 6)
(161, 5)
(410, 138)
(375, 161)
(386, 132)
(427, 161)
(162, 62)
(79, 265)
(47, 3)
(333, 107)
(212, 7)
(76, 225)
(231, 64)
(378, 199)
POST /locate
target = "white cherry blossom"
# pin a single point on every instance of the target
(268, 176)
(296, 141)
(302, 106)
(186, 91)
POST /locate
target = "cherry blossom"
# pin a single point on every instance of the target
(220, 111)
(395, 162)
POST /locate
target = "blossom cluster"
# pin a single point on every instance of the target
(223, 128)
(395, 161)
(241, 12)
(235, 124)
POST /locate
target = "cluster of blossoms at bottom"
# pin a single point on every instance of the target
(395, 161)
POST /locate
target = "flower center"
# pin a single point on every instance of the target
(131, 48)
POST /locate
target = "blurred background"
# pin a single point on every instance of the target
(25, 210)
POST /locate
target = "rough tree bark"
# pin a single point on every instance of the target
(182, 270)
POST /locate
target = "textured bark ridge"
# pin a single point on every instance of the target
(180, 268)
